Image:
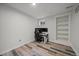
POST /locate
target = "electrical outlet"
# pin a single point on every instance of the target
(19, 40)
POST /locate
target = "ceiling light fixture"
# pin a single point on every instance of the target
(33, 3)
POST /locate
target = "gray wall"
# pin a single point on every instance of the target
(16, 28)
(75, 32)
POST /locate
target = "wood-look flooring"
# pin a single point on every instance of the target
(42, 49)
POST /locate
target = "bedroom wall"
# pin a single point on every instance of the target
(75, 32)
(16, 28)
(51, 25)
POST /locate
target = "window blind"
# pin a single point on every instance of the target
(62, 27)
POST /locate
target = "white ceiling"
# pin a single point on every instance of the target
(41, 10)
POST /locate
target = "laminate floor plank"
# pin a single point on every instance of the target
(42, 49)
